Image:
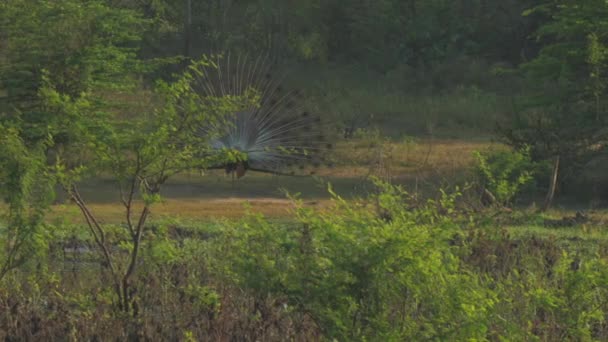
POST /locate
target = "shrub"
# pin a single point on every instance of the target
(360, 276)
(504, 173)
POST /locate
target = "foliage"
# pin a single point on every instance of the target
(140, 152)
(504, 173)
(546, 289)
(83, 94)
(26, 186)
(379, 34)
(422, 272)
(78, 48)
(359, 276)
(563, 112)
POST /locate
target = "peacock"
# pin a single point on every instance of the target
(275, 130)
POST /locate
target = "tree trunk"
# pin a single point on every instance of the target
(552, 185)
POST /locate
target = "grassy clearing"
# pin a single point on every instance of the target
(214, 194)
(192, 209)
(559, 224)
(406, 157)
(411, 132)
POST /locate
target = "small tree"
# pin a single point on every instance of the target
(140, 152)
(26, 188)
(504, 174)
(74, 92)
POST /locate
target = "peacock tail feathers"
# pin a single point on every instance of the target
(272, 125)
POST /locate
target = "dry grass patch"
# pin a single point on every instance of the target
(356, 157)
(188, 209)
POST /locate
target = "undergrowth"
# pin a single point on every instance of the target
(386, 267)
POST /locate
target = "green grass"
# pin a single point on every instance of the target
(584, 233)
(407, 103)
(419, 164)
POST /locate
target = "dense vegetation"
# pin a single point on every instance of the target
(101, 89)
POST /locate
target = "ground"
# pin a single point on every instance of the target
(412, 163)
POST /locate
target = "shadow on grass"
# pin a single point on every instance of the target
(219, 186)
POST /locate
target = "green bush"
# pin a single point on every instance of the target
(545, 290)
(504, 173)
(362, 276)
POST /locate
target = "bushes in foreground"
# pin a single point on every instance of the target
(387, 271)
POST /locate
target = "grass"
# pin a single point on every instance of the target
(406, 102)
(205, 198)
(589, 233)
(407, 156)
(198, 209)
(215, 194)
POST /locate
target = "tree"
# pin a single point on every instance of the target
(78, 46)
(69, 69)
(562, 116)
(140, 151)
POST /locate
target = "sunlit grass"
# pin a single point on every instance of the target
(585, 232)
(215, 194)
(356, 157)
(199, 209)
